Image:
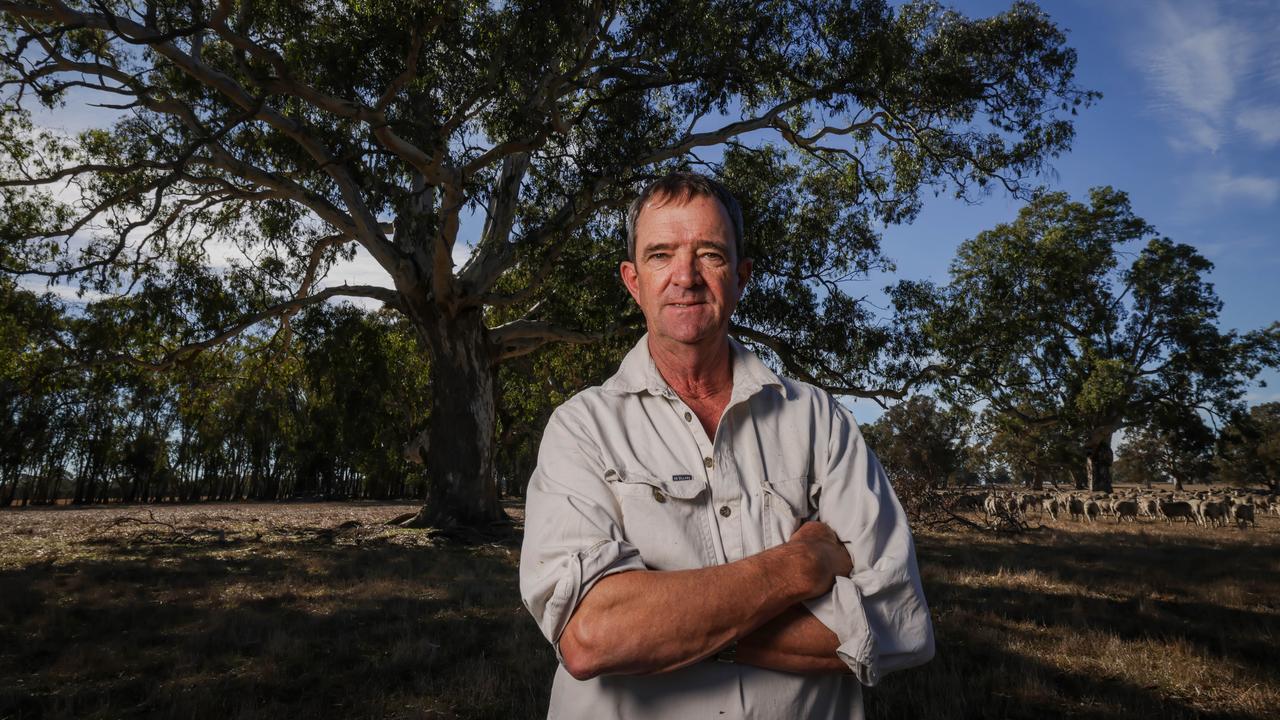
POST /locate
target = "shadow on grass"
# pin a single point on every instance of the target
(997, 640)
(272, 631)
(976, 675)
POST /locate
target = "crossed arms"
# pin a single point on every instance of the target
(798, 606)
(625, 624)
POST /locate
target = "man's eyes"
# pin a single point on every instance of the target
(711, 256)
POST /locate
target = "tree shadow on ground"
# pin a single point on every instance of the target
(286, 630)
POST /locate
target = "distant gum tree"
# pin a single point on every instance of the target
(1033, 453)
(1248, 449)
(301, 131)
(1177, 449)
(919, 442)
(1080, 316)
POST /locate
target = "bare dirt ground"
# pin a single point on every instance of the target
(320, 611)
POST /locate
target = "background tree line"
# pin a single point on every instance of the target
(322, 413)
(923, 443)
(326, 408)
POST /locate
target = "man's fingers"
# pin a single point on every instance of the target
(826, 548)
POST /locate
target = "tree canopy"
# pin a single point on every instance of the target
(1248, 450)
(511, 134)
(919, 442)
(1081, 316)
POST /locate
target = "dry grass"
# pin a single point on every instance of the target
(1098, 621)
(248, 611)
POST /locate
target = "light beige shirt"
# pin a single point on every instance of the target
(627, 479)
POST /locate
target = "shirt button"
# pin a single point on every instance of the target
(708, 462)
(657, 495)
(725, 511)
(688, 417)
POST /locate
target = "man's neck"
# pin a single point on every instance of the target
(695, 372)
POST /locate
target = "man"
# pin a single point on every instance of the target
(704, 538)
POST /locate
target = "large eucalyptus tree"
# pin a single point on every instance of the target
(301, 130)
(1080, 316)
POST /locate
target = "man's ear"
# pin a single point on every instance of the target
(628, 272)
(744, 274)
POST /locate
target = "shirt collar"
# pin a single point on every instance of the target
(638, 373)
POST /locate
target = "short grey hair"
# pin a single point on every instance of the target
(682, 187)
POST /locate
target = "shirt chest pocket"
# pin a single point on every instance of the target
(665, 519)
(787, 504)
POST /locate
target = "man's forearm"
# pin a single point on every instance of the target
(794, 641)
(647, 621)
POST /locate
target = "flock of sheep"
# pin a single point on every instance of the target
(1207, 509)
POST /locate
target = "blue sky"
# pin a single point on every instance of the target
(1189, 126)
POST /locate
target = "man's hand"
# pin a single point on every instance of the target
(828, 557)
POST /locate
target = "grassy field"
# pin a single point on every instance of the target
(318, 611)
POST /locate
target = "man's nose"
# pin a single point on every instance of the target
(686, 272)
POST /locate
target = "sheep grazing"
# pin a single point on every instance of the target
(1214, 514)
(1076, 506)
(1170, 509)
(1243, 515)
(1196, 504)
(1125, 510)
(1027, 502)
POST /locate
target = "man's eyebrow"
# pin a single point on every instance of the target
(700, 245)
(658, 247)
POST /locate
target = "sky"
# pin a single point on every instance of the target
(1188, 126)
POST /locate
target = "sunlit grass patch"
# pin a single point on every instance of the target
(1098, 620)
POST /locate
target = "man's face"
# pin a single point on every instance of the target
(686, 277)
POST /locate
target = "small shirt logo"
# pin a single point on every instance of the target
(681, 478)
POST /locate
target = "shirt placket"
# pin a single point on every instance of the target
(725, 508)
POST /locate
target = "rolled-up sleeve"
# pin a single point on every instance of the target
(878, 613)
(573, 534)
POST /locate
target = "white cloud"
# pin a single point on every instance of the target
(1225, 188)
(1205, 64)
(362, 270)
(1262, 122)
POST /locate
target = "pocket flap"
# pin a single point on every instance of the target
(799, 495)
(680, 489)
